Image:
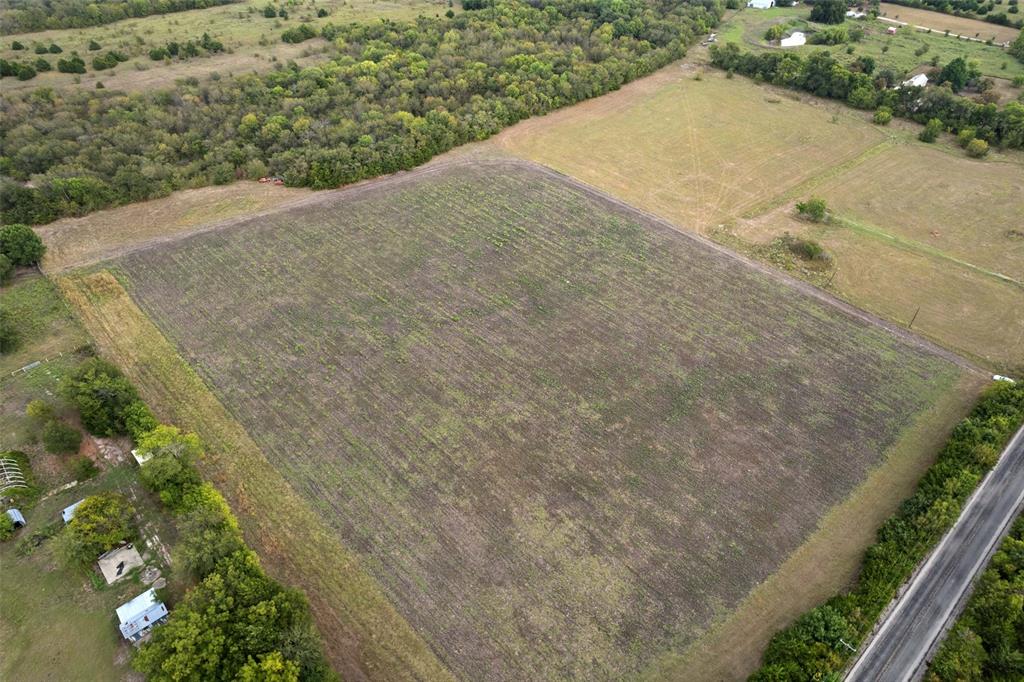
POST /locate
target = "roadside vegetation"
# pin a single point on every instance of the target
(812, 648)
(396, 95)
(987, 642)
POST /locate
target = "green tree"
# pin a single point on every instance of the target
(829, 11)
(813, 209)
(170, 471)
(961, 658)
(271, 667)
(883, 115)
(235, 616)
(958, 73)
(101, 522)
(1017, 47)
(102, 395)
(20, 244)
(59, 438)
(208, 531)
(774, 32)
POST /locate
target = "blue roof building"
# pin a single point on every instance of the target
(140, 614)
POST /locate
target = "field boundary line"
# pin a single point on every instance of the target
(810, 183)
(402, 178)
(920, 248)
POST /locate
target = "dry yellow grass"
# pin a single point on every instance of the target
(365, 636)
(694, 152)
(73, 242)
(937, 21)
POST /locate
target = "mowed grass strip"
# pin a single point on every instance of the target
(694, 152)
(562, 436)
(365, 637)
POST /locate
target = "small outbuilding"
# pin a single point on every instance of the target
(795, 39)
(918, 81)
(856, 14)
(68, 513)
(891, 30)
(116, 563)
(141, 458)
(16, 517)
(139, 615)
(761, 4)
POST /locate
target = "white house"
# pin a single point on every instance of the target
(140, 614)
(796, 39)
(918, 81)
(761, 4)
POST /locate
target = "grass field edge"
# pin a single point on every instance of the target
(366, 637)
(828, 560)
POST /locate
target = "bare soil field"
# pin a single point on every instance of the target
(915, 225)
(939, 22)
(73, 242)
(563, 437)
(252, 42)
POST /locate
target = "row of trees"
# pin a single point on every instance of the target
(236, 622)
(821, 74)
(26, 16)
(987, 642)
(395, 95)
(188, 49)
(812, 648)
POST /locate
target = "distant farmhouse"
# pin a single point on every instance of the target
(761, 4)
(140, 614)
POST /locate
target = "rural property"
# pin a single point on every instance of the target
(508, 394)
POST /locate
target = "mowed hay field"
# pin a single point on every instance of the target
(915, 225)
(562, 436)
(937, 21)
(694, 152)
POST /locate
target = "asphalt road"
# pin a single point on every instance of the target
(899, 650)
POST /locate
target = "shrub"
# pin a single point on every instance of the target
(73, 65)
(833, 35)
(39, 412)
(6, 269)
(813, 209)
(102, 395)
(26, 72)
(300, 33)
(883, 115)
(101, 522)
(17, 45)
(6, 527)
(931, 131)
(964, 137)
(774, 32)
(40, 49)
(84, 468)
(10, 338)
(55, 48)
(321, 13)
(158, 53)
(977, 148)
(59, 438)
(41, 65)
(93, 46)
(806, 249)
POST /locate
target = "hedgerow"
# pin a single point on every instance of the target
(810, 648)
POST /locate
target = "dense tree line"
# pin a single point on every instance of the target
(971, 9)
(810, 648)
(25, 16)
(821, 74)
(236, 623)
(395, 95)
(987, 642)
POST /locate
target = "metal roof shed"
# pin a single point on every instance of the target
(140, 614)
(69, 512)
(17, 517)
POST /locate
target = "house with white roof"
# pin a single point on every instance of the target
(137, 616)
